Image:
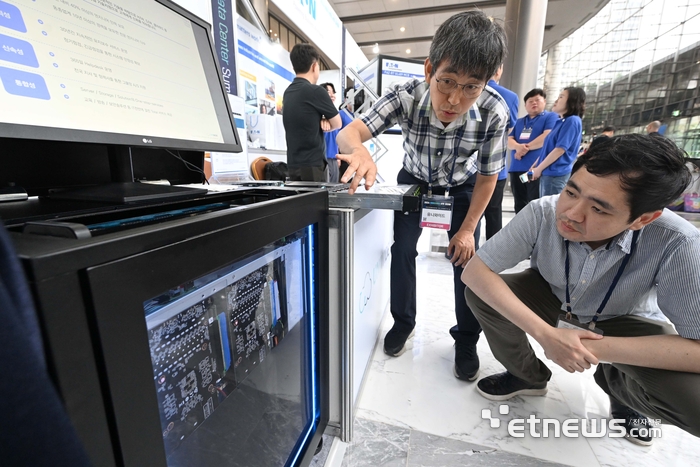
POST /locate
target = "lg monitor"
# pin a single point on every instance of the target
(127, 72)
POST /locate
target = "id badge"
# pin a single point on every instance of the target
(525, 134)
(436, 212)
(572, 323)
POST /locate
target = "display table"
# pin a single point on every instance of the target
(360, 238)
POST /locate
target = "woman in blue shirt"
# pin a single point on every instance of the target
(562, 144)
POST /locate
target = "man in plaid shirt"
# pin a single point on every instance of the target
(458, 122)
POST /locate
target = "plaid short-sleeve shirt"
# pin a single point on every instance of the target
(475, 142)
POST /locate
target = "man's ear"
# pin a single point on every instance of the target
(644, 219)
(428, 69)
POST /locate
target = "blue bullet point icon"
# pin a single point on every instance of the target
(41, 22)
(52, 54)
(66, 96)
(63, 86)
(56, 65)
(45, 33)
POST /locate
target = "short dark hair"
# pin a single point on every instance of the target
(652, 170)
(533, 93)
(470, 43)
(303, 57)
(609, 128)
(576, 102)
(326, 85)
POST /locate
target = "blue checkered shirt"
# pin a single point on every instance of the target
(477, 139)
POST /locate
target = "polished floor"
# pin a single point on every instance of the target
(414, 412)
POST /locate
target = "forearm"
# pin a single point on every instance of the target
(336, 123)
(352, 136)
(495, 292)
(666, 352)
(538, 142)
(512, 144)
(483, 190)
(551, 158)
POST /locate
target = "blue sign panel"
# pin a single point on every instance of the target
(222, 24)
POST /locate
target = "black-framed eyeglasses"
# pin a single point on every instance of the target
(448, 86)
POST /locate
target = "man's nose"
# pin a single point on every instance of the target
(455, 96)
(576, 213)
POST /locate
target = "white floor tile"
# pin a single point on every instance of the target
(419, 391)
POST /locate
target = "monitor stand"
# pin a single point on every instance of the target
(130, 193)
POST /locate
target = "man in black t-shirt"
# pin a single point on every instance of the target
(307, 112)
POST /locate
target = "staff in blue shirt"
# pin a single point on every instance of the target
(527, 142)
(562, 144)
(493, 215)
(329, 137)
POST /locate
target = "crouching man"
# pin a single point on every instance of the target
(601, 251)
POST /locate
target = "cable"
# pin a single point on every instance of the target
(190, 166)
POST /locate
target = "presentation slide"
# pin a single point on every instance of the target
(121, 66)
(264, 70)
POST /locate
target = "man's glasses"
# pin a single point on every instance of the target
(448, 86)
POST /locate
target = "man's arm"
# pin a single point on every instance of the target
(360, 161)
(520, 149)
(539, 141)
(565, 347)
(461, 247)
(336, 123)
(666, 352)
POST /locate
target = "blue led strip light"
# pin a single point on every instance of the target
(312, 328)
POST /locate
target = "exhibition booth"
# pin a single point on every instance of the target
(186, 324)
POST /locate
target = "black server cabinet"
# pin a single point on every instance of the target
(195, 341)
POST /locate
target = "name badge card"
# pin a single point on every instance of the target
(436, 212)
(525, 134)
(572, 323)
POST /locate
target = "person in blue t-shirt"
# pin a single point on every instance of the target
(493, 214)
(527, 143)
(562, 144)
(329, 136)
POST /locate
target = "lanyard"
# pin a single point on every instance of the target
(531, 121)
(430, 172)
(620, 270)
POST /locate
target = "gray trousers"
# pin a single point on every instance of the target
(333, 171)
(671, 396)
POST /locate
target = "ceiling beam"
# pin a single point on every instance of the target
(423, 11)
(402, 40)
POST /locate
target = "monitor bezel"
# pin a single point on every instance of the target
(222, 108)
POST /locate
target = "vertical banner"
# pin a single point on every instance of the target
(222, 13)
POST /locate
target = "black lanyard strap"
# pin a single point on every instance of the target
(620, 270)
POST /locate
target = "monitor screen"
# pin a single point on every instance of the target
(233, 362)
(128, 72)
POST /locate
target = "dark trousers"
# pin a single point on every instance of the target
(333, 171)
(523, 193)
(671, 396)
(493, 214)
(308, 174)
(403, 263)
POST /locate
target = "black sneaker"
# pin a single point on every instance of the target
(634, 423)
(395, 341)
(466, 365)
(503, 386)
